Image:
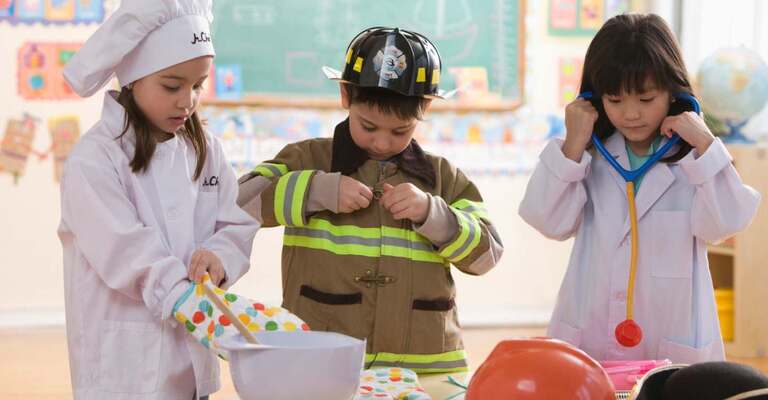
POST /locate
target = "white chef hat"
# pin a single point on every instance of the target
(139, 39)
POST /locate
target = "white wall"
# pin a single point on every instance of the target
(29, 211)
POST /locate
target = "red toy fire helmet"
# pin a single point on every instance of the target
(539, 369)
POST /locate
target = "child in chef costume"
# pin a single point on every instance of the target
(148, 203)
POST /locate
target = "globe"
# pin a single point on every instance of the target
(733, 86)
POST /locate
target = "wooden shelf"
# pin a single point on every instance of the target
(722, 250)
(741, 263)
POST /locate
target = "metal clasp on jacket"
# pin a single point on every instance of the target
(378, 191)
(370, 279)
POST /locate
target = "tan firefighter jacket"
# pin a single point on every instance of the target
(365, 274)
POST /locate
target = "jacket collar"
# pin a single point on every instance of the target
(113, 116)
(347, 157)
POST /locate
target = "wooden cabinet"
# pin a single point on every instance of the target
(741, 263)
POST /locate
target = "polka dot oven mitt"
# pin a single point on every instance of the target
(208, 325)
(390, 384)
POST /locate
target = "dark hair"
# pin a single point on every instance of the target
(388, 101)
(145, 143)
(627, 51)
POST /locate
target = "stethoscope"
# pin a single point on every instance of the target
(628, 333)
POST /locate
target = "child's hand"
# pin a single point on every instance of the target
(203, 261)
(406, 201)
(580, 118)
(691, 128)
(206, 323)
(353, 195)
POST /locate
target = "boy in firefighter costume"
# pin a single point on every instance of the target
(372, 221)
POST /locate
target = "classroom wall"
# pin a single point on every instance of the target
(29, 208)
(522, 289)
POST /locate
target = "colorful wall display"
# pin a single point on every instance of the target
(65, 131)
(16, 145)
(563, 15)
(570, 78)
(40, 67)
(229, 81)
(52, 11)
(480, 143)
(472, 85)
(6, 9)
(582, 17)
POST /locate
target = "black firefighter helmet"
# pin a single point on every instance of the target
(391, 58)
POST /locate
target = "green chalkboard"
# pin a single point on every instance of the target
(281, 45)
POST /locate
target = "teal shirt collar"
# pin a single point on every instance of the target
(635, 161)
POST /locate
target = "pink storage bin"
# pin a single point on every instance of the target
(625, 373)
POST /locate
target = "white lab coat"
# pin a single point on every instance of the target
(127, 240)
(680, 207)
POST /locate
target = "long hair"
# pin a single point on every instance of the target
(145, 143)
(627, 52)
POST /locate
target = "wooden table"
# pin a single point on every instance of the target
(437, 385)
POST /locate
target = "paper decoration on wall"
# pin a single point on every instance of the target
(65, 131)
(582, 17)
(59, 10)
(591, 14)
(29, 10)
(16, 145)
(40, 67)
(473, 85)
(52, 11)
(89, 11)
(570, 78)
(229, 81)
(563, 15)
(6, 9)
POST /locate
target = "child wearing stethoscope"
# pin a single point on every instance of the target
(638, 284)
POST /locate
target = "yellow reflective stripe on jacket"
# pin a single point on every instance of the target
(368, 242)
(270, 170)
(406, 243)
(290, 193)
(473, 207)
(452, 361)
(469, 237)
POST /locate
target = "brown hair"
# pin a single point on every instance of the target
(627, 51)
(145, 143)
(388, 101)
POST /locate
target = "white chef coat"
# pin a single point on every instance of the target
(128, 239)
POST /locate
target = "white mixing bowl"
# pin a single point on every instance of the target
(296, 365)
